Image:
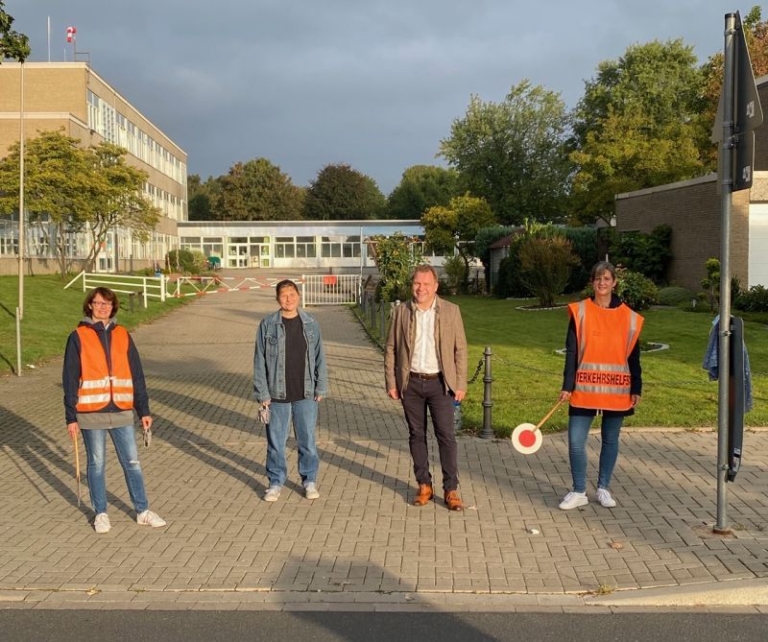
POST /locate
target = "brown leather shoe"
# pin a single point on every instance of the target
(424, 495)
(453, 501)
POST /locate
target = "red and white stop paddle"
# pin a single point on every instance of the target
(526, 438)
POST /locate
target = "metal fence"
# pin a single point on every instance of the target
(331, 289)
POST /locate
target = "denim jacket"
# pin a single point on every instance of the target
(269, 359)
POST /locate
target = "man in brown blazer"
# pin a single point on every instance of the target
(425, 367)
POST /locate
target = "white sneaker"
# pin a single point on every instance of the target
(272, 494)
(101, 524)
(310, 490)
(604, 498)
(574, 500)
(148, 518)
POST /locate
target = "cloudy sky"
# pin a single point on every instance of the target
(372, 83)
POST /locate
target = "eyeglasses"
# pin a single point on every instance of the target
(102, 304)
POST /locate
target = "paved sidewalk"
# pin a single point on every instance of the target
(361, 545)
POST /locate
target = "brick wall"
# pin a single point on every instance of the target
(693, 210)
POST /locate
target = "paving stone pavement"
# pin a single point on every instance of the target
(361, 543)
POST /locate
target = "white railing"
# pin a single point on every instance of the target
(331, 289)
(148, 286)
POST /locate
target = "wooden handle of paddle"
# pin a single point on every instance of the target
(549, 414)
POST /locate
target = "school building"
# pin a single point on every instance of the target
(72, 98)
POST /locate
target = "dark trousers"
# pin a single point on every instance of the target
(419, 396)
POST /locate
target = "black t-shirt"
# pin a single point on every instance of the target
(295, 358)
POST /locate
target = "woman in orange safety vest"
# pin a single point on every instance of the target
(602, 375)
(103, 384)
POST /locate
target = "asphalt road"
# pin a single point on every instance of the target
(229, 626)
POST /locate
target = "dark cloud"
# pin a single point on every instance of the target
(375, 84)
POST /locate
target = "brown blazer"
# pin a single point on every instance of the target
(450, 340)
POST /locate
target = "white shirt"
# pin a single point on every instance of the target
(424, 358)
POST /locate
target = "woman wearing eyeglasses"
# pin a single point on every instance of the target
(602, 376)
(103, 384)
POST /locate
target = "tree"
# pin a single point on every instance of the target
(202, 198)
(257, 191)
(513, 154)
(457, 226)
(75, 189)
(118, 200)
(422, 187)
(396, 257)
(13, 45)
(341, 193)
(637, 126)
(58, 186)
(756, 33)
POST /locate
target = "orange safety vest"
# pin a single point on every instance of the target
(605, 338)
(98, 383)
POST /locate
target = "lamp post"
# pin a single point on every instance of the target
(21, 190)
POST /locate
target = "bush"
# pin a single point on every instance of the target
(180, 261)
(584, 242)
(648, 254)
(753, 300)
(509, 285)
(545, 267)
(676, 296)
(396, 257)
(634, 289)
(456, 270)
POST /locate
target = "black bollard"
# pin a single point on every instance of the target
(487, 431)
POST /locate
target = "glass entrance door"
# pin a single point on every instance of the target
(237, 255)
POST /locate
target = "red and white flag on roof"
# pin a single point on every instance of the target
(71, 31)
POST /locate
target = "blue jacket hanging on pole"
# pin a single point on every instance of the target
(710, 363)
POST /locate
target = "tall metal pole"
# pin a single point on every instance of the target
(725, 273)
(21, 191)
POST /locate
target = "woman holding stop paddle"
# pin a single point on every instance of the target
(602, 376)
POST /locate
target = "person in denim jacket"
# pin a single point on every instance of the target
(290, 378)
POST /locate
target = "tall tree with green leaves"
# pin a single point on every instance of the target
(58, 182)
(637, 126)
(71, 189)
(258, 190)
(456, 227)
(340, 193)
(118, 199)
(513, 154)
(203, 197)
(13, 45)
(422, 187)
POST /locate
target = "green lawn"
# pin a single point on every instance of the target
(527, 371)
(526, 368)
(50, 314)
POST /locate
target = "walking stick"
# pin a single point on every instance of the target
(77, 466)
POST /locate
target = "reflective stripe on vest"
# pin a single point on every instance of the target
(606, 338)
(97, 385)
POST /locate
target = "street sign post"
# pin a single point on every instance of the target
(748, 114)
(738, 115)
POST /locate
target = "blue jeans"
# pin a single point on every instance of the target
(578, 431)
(128, 455)
(304, 416)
